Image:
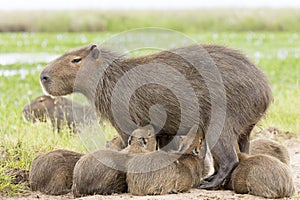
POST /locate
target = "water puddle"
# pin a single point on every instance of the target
(12, 58)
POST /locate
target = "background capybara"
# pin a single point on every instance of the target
(58, 111)
(116, 143)
(98, 71)
(270, 147)
(52, 172)
(142, 140)
(100, 172)
(262, 175)
(163, 172)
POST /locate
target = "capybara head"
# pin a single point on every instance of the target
(116, 143)
(142, 138)
(192, 143)
(39, 109)
(58, 77)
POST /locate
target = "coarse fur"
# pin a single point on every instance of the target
(100, 172)
(161, 172)
(95, 72)
(58, 111)
(271, 148)
(104, 171)
(52, 172)
(262, 175)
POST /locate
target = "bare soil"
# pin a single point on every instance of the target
(290, 140)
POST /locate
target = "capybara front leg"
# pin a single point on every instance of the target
(244, 139)
(225, 155)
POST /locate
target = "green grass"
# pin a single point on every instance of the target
(20, 141)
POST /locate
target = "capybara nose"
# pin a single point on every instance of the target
(44, 78)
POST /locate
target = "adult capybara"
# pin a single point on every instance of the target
(100, 172)
(52, 172)
(161, 172)
(182, 87)
(58, 111)
(262, 175)
(271, 148)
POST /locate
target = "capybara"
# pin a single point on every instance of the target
(104, 171)
(164, 100)
(100, 172)
(262, 175)
(52, 172)
(270, 147)
(142, 140)
(58, 111)
(161, 172)
(116, 143)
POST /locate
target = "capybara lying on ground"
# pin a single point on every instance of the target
(58, 111)
(262, 175)
(270, 147)
(163, 172)
(223, 88)
(52, 172)
(104, 171)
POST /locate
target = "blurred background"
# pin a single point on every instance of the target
(118, 15)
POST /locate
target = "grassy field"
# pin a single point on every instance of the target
(114, 21)
(276, 53)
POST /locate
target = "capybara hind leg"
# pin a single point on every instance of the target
(225, 155)
(244, 139)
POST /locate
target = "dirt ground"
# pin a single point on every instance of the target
(291, 141)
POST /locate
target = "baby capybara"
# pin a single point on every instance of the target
(104, 171)
(197, 84)
(161, 172)
(58, 111)
(262, 175)
(142, 140)
(271, 148)
(52, 172)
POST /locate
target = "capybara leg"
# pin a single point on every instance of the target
(244, 139)
(225, 155)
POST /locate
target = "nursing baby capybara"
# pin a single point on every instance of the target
(58, 111)
(262, 175)
(52, 172)
(161, 172)
(271, 148)
(182, 87)
(142, 140)
(104, 171)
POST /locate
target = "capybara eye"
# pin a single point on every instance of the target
(41, 100)
(76, 60)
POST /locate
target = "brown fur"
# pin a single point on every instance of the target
(52, 172)
(142, 140)
(104, 171)
(100, 172)
(271, 148)
(58, 111)
(248, 94)
(160, 172)
(262, 175)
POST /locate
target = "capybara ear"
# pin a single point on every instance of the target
(95, 51)
(150, 129)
